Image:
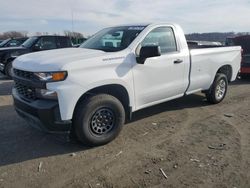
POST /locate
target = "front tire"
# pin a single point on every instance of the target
(218, 90)
(98, 119)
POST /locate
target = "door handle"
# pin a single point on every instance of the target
(177, 61)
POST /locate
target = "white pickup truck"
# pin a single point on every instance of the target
(91, 90)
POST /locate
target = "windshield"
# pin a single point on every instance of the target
(28, 43)
(4, 42)
(113, 39)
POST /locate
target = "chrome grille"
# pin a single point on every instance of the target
(25, 91)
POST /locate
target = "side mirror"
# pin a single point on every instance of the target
(147, 52)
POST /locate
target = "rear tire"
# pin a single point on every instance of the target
(98, 119)
(218, 90)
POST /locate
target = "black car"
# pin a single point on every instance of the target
(33, 44)
(13, 42)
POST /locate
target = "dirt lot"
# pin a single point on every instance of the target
(194, 143)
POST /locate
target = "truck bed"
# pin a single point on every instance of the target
(206, 61)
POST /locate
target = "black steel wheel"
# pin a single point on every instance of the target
(102, 121)
(98, 119)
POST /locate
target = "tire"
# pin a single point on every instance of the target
(8, 70)
(218, 90)
(98, 120)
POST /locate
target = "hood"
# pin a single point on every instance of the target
(54, 60)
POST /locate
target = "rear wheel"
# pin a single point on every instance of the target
(218, 90)
(98, 119)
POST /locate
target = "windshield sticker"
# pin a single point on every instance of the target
(140, 28)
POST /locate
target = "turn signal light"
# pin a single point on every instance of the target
(58, 76)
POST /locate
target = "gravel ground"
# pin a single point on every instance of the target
(181, 143)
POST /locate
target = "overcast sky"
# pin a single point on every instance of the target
(55, 16)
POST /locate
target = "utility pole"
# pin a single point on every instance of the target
(72, 25)
(72, 20)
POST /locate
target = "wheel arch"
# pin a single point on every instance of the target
(227, 70)
(116, 90)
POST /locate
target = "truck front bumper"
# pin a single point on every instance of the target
(41, 114)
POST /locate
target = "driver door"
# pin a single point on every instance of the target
(160, 78)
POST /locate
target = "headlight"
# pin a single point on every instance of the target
(46, 94)
(51, 76)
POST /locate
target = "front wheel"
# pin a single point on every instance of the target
(98, 119)
(218, 90)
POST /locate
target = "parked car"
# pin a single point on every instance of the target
(33, 44)
(244, 42)
(91, 90)
(13, 42)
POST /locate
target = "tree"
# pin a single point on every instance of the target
(73, 34)
(13, 34)
(76, 37)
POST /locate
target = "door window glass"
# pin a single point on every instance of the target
(163, 37)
